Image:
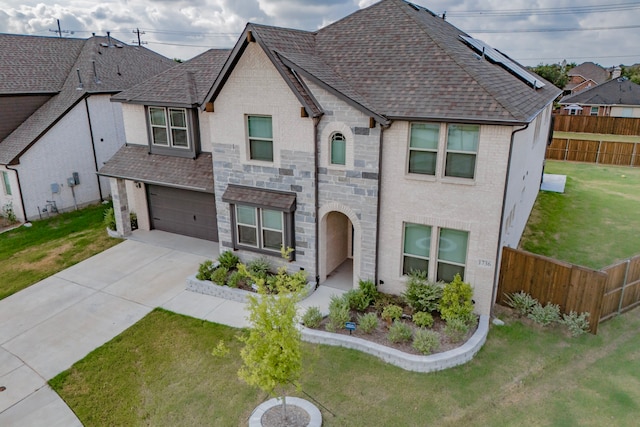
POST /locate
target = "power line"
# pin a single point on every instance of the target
(552, 30)
(547, 11)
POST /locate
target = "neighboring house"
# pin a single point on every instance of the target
(58, 126)
(586, 76)
(387, 141)
(616, 98)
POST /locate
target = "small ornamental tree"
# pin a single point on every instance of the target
(272, 356)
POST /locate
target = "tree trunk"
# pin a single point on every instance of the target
(284, 407)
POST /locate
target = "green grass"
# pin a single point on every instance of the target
(594, 223)
(28, 255)
(161, 372)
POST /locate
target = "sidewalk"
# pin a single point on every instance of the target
(49, 326)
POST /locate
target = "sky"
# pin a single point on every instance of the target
(530, 31)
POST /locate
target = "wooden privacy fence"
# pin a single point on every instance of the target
(597, 124)
(603, 294)
(601, 152)
(622, 288)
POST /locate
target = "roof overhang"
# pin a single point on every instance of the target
(258, 197)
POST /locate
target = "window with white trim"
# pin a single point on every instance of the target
(7, 183)
(462, 149)
(260, 228)
(338, 149)
(423, 148)
(452, 254)
(594, 111)
(169, 127)
(260, 131)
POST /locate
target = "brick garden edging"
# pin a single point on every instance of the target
(409, 362)
(207, 287)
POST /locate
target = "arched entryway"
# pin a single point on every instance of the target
(339, 247)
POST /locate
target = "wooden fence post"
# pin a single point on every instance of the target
(624, 285)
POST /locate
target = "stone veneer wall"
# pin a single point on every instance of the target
(295, 175)
(354, 186)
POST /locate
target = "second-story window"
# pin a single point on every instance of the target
(169, 127)
(338, 149)
(462, 147)
(423, 148)
(260, 133)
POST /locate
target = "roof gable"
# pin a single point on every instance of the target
(590, 71)
(614, 92)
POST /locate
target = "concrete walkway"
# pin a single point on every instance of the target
(49, 326)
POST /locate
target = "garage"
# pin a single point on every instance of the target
(190, 213)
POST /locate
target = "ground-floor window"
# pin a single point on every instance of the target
(450, 245)
(6, 183)
(260, 228)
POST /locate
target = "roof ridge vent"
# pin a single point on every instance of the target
(103, 44)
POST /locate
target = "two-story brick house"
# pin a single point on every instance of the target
(389, 140)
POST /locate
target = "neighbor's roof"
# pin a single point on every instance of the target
(621, 91)
(185, 85)
(395, 60)
(135, 163)
(590, 71)
(32, 64)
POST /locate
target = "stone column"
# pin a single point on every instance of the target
(120, 206)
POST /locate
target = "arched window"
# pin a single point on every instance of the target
(338, 149)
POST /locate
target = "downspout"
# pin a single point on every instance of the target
(316, 121)
(93, 148)
(504, 199)
(378, 208)
(24, 210)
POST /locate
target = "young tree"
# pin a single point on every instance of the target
(272, 356)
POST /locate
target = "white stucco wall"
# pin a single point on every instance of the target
(474, 206)
(64, 149)
(135, 124)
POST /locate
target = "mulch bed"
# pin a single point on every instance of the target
(379, 335)
(296, 417)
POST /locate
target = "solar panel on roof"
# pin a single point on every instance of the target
(499, 58)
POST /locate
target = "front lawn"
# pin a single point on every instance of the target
(30, 254)
(161, 372)
(594, 223)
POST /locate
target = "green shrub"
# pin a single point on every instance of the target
(369, 289)
(391, 312)
(521, 302)
(368, 322)
(546, 315)
(204, 270)
(259, 266)
(235, 278)
(421, 294)
(456, 329)
(578, 324)
(339, 313)
(399, 332)
(423, 319)
(358, 300)
(219, 276)
(456, 300)
(228, 260)
(110, 219)
(312, 317)
(426, 342)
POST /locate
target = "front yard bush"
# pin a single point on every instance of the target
(546, 315)
(369, 289)
(235, 278)
(577, 324)
(426, 342)
(205, 270)
(400, 332)
(391, 313)
(339, 313)
(219, 276)
(228, 260)
(368, 322)
(521, 302)
(456, 329)
(423, 319)
(358, 300)
(312, 317)
(456, 302)
(421, 294)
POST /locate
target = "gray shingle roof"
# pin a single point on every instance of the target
(614, 92)
(115, 69)
(185, 85)
(399, 61)
(135, 163)
(590, 71)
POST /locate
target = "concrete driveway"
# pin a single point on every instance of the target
(47, 327)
